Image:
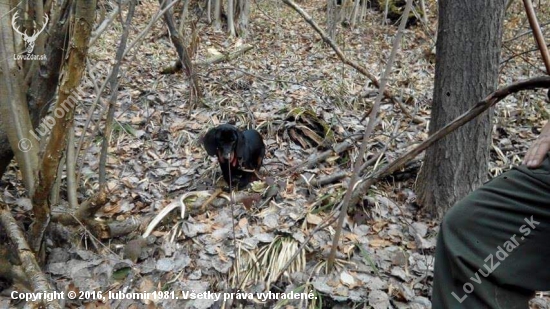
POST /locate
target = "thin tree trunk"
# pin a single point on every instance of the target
(177, 40)
(66, 101)
(209, 11)
(70, 163)
(424, 11)
(244, 6)
(183, 17)
(44, 81)
(356, 8)
(332, 12)
(386, 7)
(230, 17)
(112, 100)
(364, 11)
(14, 112)
(368, 131)
(467, 61)
(217, 14)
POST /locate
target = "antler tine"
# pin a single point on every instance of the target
(46, 19)
(44, 24)
(15, 27)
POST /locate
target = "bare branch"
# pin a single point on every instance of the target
(74, 66)
(368, 132)
(114, 92)
(538, 34)
(349, 62)
(476, 110)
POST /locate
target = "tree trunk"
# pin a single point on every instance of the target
(15, 122)
(332, 13)
(467, 59)
(244, 12)
(208, 11)
(217, 14)
(66, 99)
(183, 58)
(183, 16)
(230, 18)
(44, 81)
(355, 12)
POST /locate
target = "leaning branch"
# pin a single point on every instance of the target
(347, 61)
(177, 40)
(368, 131)
(114, 92)
(32, 270)
(538, 33)
(476, 110)
(361, 189)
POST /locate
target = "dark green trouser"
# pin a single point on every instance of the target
(493, 249)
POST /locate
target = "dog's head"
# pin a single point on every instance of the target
(224, 141)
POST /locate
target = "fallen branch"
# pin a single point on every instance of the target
(112, 229)
(321, 181)
(32, 270)
(349, 62)
(105, 229)
(476, 110)
(210, 199)
(86, 210)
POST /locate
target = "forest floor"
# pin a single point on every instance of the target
(290, 86)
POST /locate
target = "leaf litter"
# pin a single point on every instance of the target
(303, 100)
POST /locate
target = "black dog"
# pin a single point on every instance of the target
(240, 154)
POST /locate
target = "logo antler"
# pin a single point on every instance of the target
(29, 40)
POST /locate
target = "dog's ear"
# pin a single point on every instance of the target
(209, 142)
(240, 147)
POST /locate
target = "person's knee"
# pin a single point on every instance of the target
(458, 218)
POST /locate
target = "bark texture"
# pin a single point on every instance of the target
(66, 101)
(332, 13)
(467, 59)
(44, 81)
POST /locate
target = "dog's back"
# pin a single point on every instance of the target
(256, 149)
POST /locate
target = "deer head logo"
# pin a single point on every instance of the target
(29, 40)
